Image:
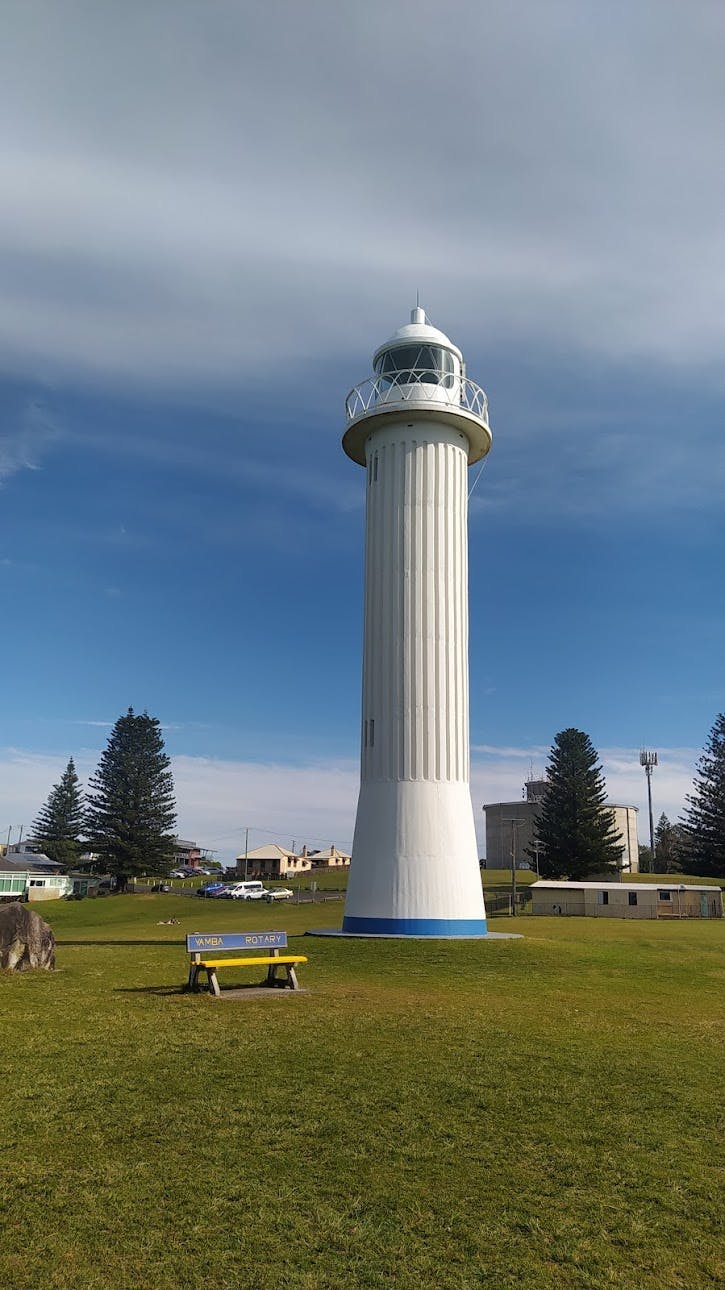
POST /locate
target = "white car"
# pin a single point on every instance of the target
(278, 893)
(248, 891)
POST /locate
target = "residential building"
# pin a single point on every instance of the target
(33, 877)
(331, 858)
(272, 861)
(189, 854)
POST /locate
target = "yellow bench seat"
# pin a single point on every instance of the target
(272, 962)
(282, 958)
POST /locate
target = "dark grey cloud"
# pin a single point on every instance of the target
(197, 192)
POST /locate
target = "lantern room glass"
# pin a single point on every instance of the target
(416, 364)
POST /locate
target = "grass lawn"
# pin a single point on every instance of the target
(528, 1113)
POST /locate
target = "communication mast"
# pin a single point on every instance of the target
(649, 761)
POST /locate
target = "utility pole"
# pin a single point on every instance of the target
(537, 847)
(246, 852)
(649, 761)
(514, 826)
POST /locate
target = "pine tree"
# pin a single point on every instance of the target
(131, 811)
(60, 822)
(668, 846)
(576, 831)
(704, 824)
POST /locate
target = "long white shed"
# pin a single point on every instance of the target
(625, 900)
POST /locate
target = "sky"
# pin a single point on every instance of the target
(210, 217)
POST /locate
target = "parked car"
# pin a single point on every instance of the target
(248, 891)
(161, 886)
(278, 893)
(211, 889)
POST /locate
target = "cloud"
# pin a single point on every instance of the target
(262, 198)
(24, 438)
(315, 802)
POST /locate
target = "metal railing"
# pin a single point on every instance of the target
(415, 386)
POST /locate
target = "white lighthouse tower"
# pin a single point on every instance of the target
(416, 426)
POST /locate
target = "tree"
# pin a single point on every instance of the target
(668, 846)
(576, 831)
(60, 822)
(131, 810)
(645, 860)
(703, 827)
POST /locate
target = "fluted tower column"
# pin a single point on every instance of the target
(416, 426)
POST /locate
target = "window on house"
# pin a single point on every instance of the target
(664, 895)
(632, 897)
(602, 897)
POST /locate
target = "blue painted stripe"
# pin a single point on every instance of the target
(416, 926)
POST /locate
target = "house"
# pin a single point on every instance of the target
(188, 854)
(625, 900)
(272, 861)
(330, 858)
(33, 877)
(13, 881)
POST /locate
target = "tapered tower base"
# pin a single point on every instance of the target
(415, 868)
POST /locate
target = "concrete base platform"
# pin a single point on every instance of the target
(392, 936)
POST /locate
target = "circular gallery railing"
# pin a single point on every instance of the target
(419, 386)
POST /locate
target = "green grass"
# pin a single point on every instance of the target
(527, 1113)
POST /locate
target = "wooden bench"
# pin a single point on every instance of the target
(200, 945)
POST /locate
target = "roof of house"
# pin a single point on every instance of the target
(29, 863)
(270, 851)
(328, 853)
(619, 886)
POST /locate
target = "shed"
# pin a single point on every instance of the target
(625, 900)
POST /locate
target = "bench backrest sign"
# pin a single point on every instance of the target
(198, 942)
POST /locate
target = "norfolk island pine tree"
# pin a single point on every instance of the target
(60, 821)
(574, 826)
(131, 811)
(703, 826)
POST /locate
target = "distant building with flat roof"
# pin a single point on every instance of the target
(510, 826)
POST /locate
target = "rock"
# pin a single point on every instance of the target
(26, 941)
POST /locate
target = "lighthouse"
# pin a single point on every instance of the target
(416, 425)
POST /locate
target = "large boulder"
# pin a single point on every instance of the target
(25, 940)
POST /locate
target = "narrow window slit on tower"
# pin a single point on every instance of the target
(372, 733)
(375, 469)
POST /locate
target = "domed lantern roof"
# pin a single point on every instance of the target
(417, 332)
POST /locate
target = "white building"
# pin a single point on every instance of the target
(33, 877)
(625, 900)
(416, 425)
